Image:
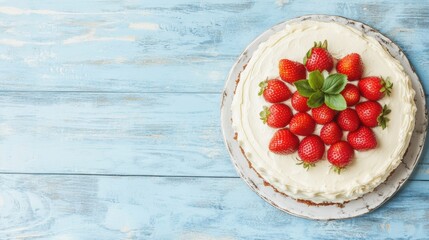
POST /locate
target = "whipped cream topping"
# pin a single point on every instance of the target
(320, 184)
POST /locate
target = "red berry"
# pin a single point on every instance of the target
(299, 102)
(311, 150)
(374, 88)
(318, 58)
(340, 155)
(276, 116)
(274, 91)
(323, 114)
(351, 94)
(362, 139)
(351, 65)
(331, 133)
(291, 71)
(302, 124)
(369, 112)
(348, 120)
(284, 142)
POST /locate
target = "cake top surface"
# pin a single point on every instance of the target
(319, 184)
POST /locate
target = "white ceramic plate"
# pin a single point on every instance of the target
(353, 208)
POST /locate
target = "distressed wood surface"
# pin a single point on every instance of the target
(110, 126)
(173, 46)
(95, 207)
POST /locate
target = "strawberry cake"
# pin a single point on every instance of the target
(322, 112)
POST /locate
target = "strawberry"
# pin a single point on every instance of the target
(284, 142)
(371, 114)
(331, 133)
(302, 124)
(323, 114)
(299, 102)
(351, 94)
(311, 150)
(375, 88)
(340, 155)
(348, 120)
(277, 116)
(351, 65)
(291, 71)
(362, 139)
(318, 58)
(274, 91)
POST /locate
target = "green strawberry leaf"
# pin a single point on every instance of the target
(316, 99)
(304, 88)
(262, 85)
(325, 44)
(387, 86)
(334, 83)
(383, 119)
(315, 79)
(335, 101)
(264, 114)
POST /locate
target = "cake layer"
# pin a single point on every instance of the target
(320, 184)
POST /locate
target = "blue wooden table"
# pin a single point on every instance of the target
(110, 121)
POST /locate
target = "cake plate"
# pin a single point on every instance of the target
(369, 201)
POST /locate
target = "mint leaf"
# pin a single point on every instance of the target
(334, 83)
(335, 101)
(315, 79)
(315, 100)
(304, 88)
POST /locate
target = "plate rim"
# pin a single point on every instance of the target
(419, 134)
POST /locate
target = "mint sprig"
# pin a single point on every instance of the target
(319, 90)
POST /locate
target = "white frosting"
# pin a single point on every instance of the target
(320, 184)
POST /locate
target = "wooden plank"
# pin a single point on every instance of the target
(112, 133)
(90, 207)
(116, 133)
(181, 46)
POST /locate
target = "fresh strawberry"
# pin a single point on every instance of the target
(331, 133)
(284, 142)
(276, 116)
(299, 102)
(323, 114)
(340, 155)
(318, 58)
(362, 139)
(291, 71)
(351, 94)
(375, 88)
(348, 120)
(302, 124)
(274, 91)
(311, 150)
(351, 65)
(371, 114)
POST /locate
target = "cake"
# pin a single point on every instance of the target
(321, 180)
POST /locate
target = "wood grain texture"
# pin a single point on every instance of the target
(176, 46)
(116, 133)
(89, 207)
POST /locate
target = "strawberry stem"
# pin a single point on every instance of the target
(337, 169)
(382, 119)
(324, 45)
(263, 85)
(264, 114)
(306, 165)
(387, 86)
